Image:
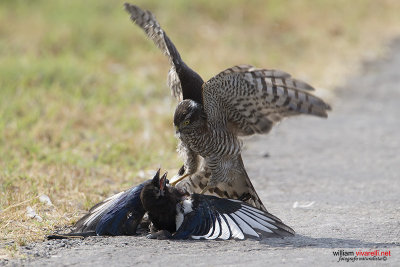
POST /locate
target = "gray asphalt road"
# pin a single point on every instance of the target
(335, 181)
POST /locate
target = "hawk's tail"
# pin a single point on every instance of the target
(254, 198)
(241, 189)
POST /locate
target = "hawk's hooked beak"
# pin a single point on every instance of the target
(176, 129)
(163, 183)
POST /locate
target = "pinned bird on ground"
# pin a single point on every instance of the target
(213, 116)
(175, 214)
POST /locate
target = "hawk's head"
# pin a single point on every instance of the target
(189, 116)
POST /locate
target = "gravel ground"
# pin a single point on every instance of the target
(335, 181)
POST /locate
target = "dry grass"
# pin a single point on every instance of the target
(83, 102)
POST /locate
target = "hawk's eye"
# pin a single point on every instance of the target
(186, 122)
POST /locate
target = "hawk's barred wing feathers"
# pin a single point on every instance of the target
(182, 80)
(248, 100)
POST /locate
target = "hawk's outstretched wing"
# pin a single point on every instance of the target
(183, 81)
(275, 74)
(247, 100)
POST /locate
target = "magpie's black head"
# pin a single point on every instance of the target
(189, 116)
(157, 187)
(159, 200)
(157, 194)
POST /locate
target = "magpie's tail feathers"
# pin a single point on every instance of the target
(71, 235)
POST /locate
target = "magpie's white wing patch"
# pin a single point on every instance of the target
(183, 208)
(215, 218)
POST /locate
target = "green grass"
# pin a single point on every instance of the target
(83, 102)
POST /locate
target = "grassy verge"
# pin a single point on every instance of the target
(84, 108)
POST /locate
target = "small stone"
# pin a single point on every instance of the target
(30, 212)
(45, 199)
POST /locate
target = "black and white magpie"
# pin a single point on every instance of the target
(177, 215)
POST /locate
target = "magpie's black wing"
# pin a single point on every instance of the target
(119, 214)
(210, 217)
(181, 79)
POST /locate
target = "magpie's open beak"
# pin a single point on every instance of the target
(163, 183)
(156, 179)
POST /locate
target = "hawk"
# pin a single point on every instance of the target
(240, 101)
(213, 116)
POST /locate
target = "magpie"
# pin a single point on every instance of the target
(175, 214)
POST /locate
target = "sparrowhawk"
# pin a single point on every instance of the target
(240, 101)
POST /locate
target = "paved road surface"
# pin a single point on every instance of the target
(335, 181)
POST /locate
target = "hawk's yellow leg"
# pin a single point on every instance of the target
(180, 179)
